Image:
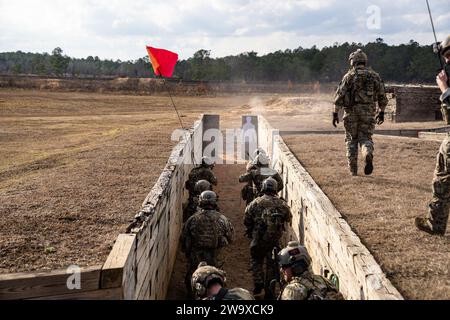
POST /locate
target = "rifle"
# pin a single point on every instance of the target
(276, 271)
(437, 47)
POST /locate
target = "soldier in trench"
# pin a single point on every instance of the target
(202, 172)
(204, 236)
(255, 175)
(265, 220)
(301, 282)
(209, 283)
(192, 206)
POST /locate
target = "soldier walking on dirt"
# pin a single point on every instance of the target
(357, 94)
(265, 220)
(204, 235)
(201, 172)
(208, 283)
(254, 178)
(436, 221)
(301, 283)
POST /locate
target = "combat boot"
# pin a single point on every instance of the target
(423, 224)
(368, 169)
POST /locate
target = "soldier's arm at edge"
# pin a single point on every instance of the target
(445, 98)
(339, 96)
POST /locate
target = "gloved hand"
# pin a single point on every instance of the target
(380, 118)
(335, 119)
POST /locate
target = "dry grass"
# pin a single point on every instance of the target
(381, 208)
(75, 168)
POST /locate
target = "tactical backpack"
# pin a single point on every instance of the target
(206, 232)
(248, 193)
(273, 222)
(363, 87)
(319, 288)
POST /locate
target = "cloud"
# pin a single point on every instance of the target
(119, 29)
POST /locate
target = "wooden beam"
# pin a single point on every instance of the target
(40, 284)
(112, 271)
(104, 294)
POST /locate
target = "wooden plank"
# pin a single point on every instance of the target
(112, 271)
(129, 275)
(40, 284)
(104, 294)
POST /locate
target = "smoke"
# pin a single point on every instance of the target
(257, 106)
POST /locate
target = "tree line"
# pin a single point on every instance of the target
(405, 63)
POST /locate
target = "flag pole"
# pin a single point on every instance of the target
(176, 110)
(171, 99)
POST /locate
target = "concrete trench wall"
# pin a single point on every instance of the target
(333, 246)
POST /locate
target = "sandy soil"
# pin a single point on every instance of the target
(381, 208)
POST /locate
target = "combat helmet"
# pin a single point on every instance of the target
(202, 278)
(201, 186)
(445, 46)
(262, 160)
(269, 186)
(259, 151)
(207, 199)
(295, 256)
(207, 162)
(357, 57)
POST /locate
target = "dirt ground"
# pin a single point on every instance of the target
(381, 208)
(236, 256)
(75, 168)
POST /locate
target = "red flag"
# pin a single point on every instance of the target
(163, 61)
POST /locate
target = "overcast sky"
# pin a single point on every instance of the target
(120, 29)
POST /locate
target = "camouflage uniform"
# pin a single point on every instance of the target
(203, 236)
(199, 173)
(295, 263)
(357, 94)
(437, 218)
(310, 287)
(232, 294)
(264, 241)
(192, 204)
(205, 276)
(255, 177)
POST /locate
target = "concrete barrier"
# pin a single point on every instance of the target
(317, 224)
